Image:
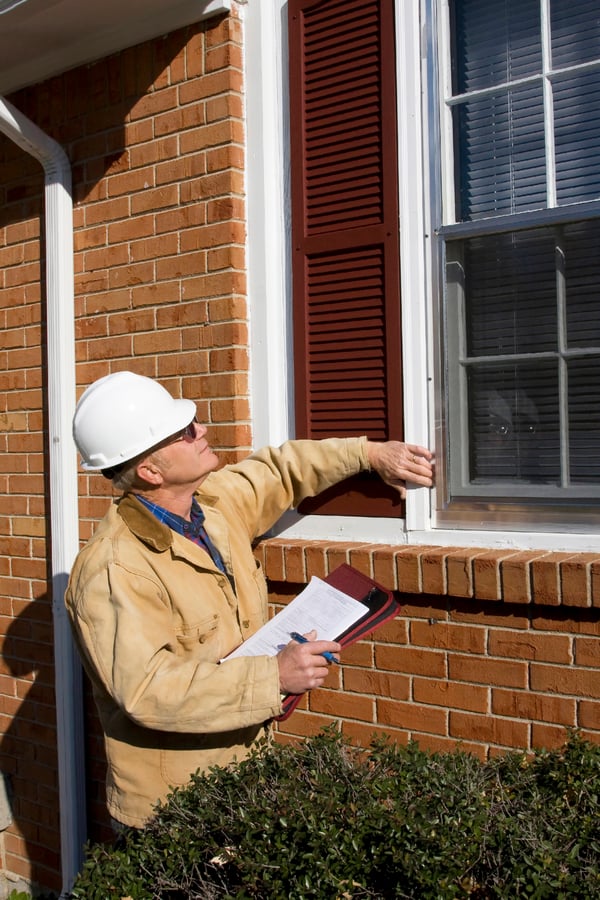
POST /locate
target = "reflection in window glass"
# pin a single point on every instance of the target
(510, 293)
(514, 423)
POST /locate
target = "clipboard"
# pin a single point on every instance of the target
(382, 606)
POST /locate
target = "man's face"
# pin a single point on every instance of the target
(185, 458)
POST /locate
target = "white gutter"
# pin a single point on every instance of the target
(64, 517)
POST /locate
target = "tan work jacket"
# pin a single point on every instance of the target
(152, 616)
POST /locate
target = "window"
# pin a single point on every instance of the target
(518, 218)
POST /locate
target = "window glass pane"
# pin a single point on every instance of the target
(577, 135)
(575, 31)
(584, 420)
(501, 166)
(510, 294)
(514, 423)
(582, 281)
(496, 42)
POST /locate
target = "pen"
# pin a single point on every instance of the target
(302, 640)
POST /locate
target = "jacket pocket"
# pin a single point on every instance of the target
(191, 636)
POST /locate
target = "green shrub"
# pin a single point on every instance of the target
(324, 819)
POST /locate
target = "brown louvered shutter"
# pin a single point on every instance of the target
(346, 267)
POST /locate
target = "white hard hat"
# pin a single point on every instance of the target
(123, 414)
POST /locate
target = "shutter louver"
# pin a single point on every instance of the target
(346, 354)
(345, 232)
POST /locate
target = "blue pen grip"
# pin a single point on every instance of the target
(302, 640)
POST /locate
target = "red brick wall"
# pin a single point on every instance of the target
(494, 650)
(156, 141)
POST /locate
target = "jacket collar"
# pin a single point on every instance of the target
(143, 524)
(146, 526)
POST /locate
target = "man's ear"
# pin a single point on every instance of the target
(147, 470)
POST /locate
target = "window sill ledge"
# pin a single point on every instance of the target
(543, 577)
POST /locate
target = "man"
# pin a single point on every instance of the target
(168, 585)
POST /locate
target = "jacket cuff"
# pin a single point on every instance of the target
(363, 443)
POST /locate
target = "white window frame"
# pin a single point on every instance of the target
(469, 508)
(269, 282)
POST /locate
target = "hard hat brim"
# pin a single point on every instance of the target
(183, 412)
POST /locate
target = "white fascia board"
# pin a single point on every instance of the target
(41, 39)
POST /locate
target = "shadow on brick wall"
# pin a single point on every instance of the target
(28, 751)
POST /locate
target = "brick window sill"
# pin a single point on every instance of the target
(547, 578)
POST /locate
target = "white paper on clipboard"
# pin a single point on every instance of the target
(319, 607)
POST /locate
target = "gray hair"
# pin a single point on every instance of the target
(126, 477)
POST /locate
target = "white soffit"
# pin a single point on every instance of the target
(41, 38)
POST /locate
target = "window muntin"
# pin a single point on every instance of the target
(521, 114)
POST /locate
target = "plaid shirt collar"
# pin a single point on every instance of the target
(194, 529)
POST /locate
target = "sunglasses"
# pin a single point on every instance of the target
(186, 434)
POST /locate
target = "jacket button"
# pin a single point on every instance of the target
(246, 623)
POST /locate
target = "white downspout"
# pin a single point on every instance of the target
(63, 474)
